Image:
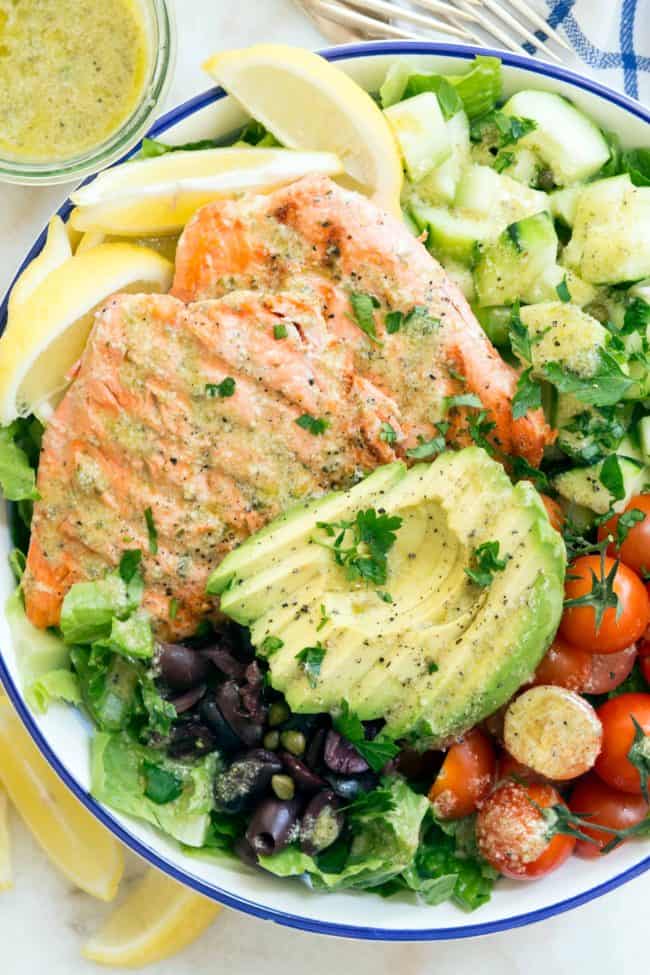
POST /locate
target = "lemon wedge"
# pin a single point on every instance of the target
(158, 919)
(55, 252)
(158, 196)
(6, 875)
(89, 240)
(82, 849)
(307, 103)
(48, 331)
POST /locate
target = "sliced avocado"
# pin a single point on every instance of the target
(508, 268)
(430, 651)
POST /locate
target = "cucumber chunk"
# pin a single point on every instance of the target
(611, 233)
(570, 144)
(582, 485)
(644, 438)
(451, 234)
(421, 132)
(491, 194)
(508, 268)
(564, 334)
(440, 185)
(564, 204)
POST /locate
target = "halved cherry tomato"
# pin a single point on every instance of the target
(509, 768)
(555, 513)
(513, 835)
(620, 626)
(564, 666)
(635, 550)
(619, 762)
(604, 806)
(466, 777)
(608, 670)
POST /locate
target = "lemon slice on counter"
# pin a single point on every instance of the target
(55, 252)
(158, 196)
(307, 103)
(158, 919)
(47, 333)
(6, 874)
(76, 843)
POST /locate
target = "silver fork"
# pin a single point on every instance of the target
(345, 20)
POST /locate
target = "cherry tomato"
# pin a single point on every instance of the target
(466, 777)
(564, 666)
(613, 765)
(555, 513)
(510, 768)
(608, 670)
(513, 835)
(604, 806)
(620, 626)
(635, 550)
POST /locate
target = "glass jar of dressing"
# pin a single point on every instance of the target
(79, 83)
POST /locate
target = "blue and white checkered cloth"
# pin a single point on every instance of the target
(611, 40)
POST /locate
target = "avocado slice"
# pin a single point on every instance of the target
(444, 653)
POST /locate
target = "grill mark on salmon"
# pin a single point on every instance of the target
(324, 241)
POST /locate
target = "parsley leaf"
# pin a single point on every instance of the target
(377, 752)
(522, 470)
(393, 321)
(611, 477)
(280, 332)
(487, 562)
(387, 433)
(384, 596)
(604, 388)
(224, 389)
(520, 342)
(479, 427)
(528, 395)
(562, 289)
(130, 563)
(419, 317)
(501, 129)
(461, 399)
(363, 311)
(429, 448)
(503, 161)
(372, 537)
(173, 608)
(626, 522)
(271, 644)
(367, 805)
(151, 531)
(314, 425)
(311, 659)
(160, 785)
(637, 317)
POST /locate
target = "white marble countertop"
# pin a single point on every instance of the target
(43, 920)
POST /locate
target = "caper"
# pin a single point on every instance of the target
(283, 786)
(278, 712)
(294, 742)
(272, 740)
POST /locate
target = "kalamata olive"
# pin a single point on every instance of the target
(314, 752)
(224, 661)
(342, 757)
(186, 701)
(303, 776)
(245, 852)
(247, 778)
(180, 666)
(321, 823)
(348, 788)
(210, 713)
(191, 738)
(273, 825)
(251, 694)
(231, 707)
(372, 728)
(418, 766)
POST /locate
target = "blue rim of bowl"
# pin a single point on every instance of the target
(344, 52)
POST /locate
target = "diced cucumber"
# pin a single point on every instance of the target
(566, 140)
(556, 276)
(495, 322)
(439, 186)
(462, 277)
(497, 196)
(611, 233)
(508, 268)
(524, 167)
(421, 132)
(564, 204)
(644, 438)
(395, 83)
(582, 485)
(451, 234)
(564, 334)
(590, 442)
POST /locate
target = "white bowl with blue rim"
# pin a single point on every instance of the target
(63, 734)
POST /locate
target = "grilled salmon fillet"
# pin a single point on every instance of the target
(325, 242)
(145, 425)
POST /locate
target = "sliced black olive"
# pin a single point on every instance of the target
(245, 780)
(321, 823)
(229, 742)
(348, 787)
(314, 752)
(273, 825)
(342, 757)
(224, 661)
(232, 708)
(245, 852)
(186, 701)
(303, 776)
(418, 766)
(191, 738)
(180, 666)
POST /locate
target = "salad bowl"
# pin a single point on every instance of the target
(62, 734)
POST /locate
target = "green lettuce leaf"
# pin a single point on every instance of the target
(17, 475)
(57, 685)
(383, 847)
(132, 637)
(37, 651)
(90, 608)
(121, 772)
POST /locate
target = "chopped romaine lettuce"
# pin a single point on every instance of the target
(108, 685)
(477, 91)
(122, 777)
(17, 475)
(57, 685)
(132, 637)
(37, 651)
(90, 608)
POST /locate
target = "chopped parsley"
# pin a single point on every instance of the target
(611, 477)
(487, 562)
(271, 644)
(429, 448)
(393, 321)
(151, 531)
(377, 752)
(461, 399)
(311, 659)
(479, 427)
(432, 667)
(160, 785)
(520, 341)
(130, 563)
(528, 395)
(562, 290)
(501, 129)
(361, 546)
(324, 619)
(604, 388)
(387, 433)
(173, 608)
(523, 470)
(315, 425)
(503, 161)
(384, 596)
(280, 332)
(377, 802)
(363, 313)
(224, 389)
